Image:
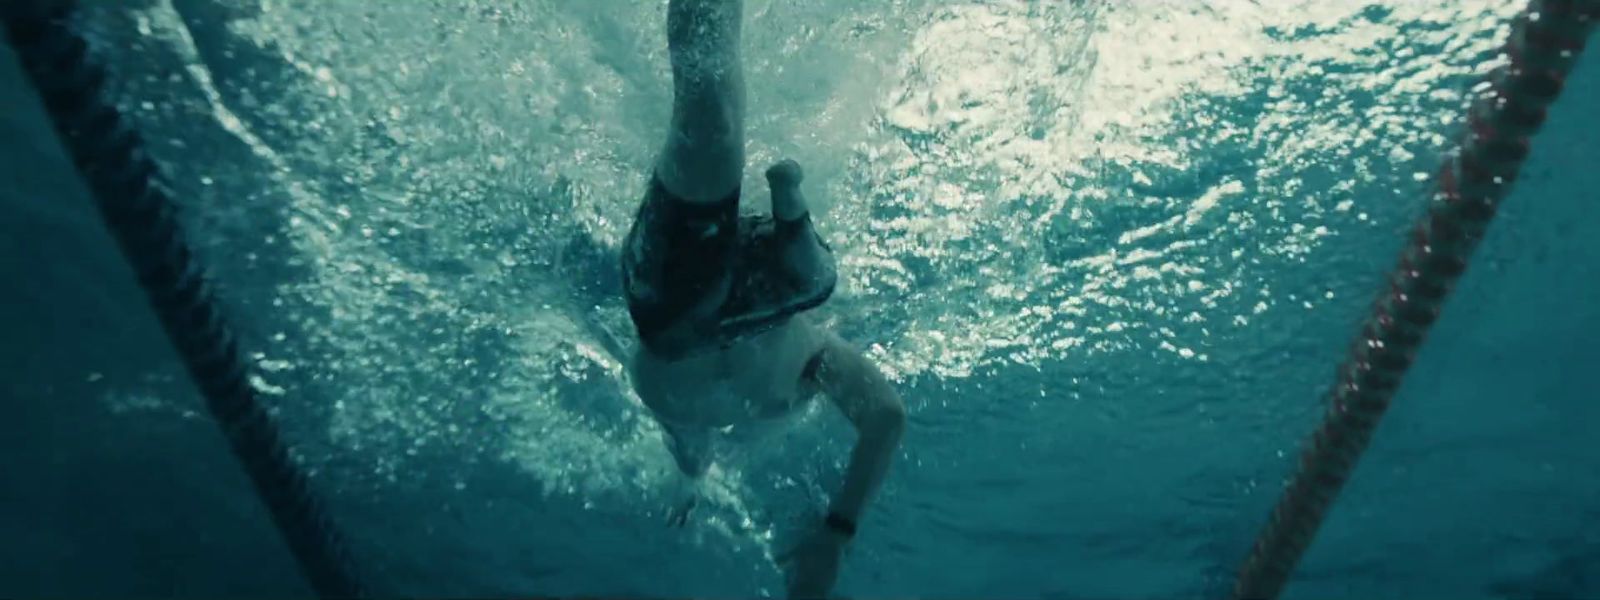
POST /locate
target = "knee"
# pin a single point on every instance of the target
(702, 163)
(709, 125)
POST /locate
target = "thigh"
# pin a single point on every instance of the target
(677, 258)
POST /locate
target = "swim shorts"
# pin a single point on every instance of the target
(680, 253)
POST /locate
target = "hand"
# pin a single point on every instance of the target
(683, 495)
(678, 515)
(813, 564)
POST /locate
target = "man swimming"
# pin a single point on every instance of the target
(717, 298)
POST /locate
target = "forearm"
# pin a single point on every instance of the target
(875, 448)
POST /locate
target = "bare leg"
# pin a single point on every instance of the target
(803, 255)
(703, 160)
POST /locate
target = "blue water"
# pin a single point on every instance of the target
(1108, 251)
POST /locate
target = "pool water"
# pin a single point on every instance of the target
(1108, 252)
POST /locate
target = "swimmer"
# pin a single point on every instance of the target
(719, 299)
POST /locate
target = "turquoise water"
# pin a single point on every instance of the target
(1109, 253)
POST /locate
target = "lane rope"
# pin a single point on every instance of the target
(1545, 43)
(138, 209)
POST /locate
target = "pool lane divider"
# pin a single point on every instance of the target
(1505, 112)
(138, 208)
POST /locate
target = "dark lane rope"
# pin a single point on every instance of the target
(138, 209)
(1546, 40)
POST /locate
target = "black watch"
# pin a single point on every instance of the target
(840, 524)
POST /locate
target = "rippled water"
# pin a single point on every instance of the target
(1108, 251)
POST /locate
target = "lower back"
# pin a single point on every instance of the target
(754, 379)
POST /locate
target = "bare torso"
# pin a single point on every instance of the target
(756, 379)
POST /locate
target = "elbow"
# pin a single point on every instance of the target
(889, 418)
(895, 415)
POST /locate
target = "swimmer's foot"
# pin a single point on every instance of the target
(784, 179)
(807, 264)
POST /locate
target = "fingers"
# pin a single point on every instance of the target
(679, 516)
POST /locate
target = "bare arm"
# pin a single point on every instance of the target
(865, 396)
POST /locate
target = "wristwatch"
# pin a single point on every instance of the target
(840, 524)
